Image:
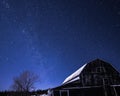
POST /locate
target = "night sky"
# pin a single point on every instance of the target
(53, 38)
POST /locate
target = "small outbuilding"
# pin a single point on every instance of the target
(96, 78)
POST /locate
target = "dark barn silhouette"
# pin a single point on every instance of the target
(96, 78)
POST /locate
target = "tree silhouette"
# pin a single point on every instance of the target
(25, 81)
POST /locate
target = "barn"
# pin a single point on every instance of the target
(96, 78)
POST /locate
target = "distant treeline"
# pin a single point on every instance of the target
(15, 93)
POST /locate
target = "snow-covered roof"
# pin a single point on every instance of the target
(75, 75)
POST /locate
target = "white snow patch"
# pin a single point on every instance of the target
(75, 74)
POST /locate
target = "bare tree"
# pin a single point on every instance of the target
(25, 81)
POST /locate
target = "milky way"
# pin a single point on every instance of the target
(53, 38)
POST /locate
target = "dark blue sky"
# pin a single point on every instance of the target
(53, 38)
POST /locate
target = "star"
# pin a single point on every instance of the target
(23, 31)
(118, 12)
(7, 5)
(7, 58)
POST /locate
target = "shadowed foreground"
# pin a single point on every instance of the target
(13, 93)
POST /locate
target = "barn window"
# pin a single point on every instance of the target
(100, 69)
(106, 81)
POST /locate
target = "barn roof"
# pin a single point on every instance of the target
(74, 76)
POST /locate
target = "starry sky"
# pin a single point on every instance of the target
(53, 38)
